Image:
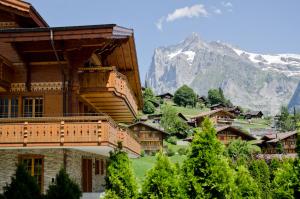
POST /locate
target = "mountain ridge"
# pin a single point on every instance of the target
(251, 80)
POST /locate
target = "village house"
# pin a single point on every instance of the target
(253, 114)
(217, 106)
(218, 117)
(278, 143)
(227, 134)
(203, 99)
(236, 110)
(165, 96)
(150, 137)
(63, 91)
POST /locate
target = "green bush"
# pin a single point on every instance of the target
(170, 152)
(142, 153)
(22, 186)
(63, 187)
(182, 151)
(119, 180)
(148, 108)
(162, 181)
(172, 140)
(185, 96)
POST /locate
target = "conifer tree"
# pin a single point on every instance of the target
(261, 174)
(22, 186)
(206, 172)
(247, 186)
(120, 181)
(63, 187)
(297, 168)
(162, 181)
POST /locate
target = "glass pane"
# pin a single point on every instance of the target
(14, 107)
(38, 107)
(28, 103)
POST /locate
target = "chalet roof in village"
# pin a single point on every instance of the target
(24, 11)
(232, 129)
(238, 131)
(150, 126)
(208, 113)
(163, 95)
(273, 138)
(253, 113)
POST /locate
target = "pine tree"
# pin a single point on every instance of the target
(22, 186)
(63, 188)
(261, 174)
(206, 171)
(120, 181)
(162, 181)
(247, 186)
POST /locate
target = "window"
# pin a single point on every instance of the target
(14, 107)
(9, 107)
(34, 166)
(4, 107)
(102, 167)
(97, 169)
(33, 107)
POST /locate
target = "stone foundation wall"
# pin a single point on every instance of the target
(54, 160)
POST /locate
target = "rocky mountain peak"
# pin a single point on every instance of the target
(251, 80)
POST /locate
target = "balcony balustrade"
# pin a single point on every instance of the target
(72, 131)
(108, 91)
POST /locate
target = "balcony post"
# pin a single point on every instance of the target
(99, 131)
(25, 138)
(62, 133)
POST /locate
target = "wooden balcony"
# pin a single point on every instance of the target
(89, 132)
(6, 75)
(109, 92)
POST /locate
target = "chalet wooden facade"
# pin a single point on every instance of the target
(253, 114)
(227, 134)
(150, 137)
(63, 91)
(165, 96)
(279, 143)
(218, 117)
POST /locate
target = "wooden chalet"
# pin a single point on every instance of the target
(218, 117)
(227, 134)
(253, 114)
(217, 106)
(234, 110)
(270, 144)
(203, 99)
(166, 96)
(150, 137)
(63, 91)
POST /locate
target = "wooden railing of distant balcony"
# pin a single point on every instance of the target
(115, 80)
(68, 131)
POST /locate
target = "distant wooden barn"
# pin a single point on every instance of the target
(227, 134)
(218, 117)
(270, 144)
(217, 106)
(253, 114)
(166, 96)
(150, 137)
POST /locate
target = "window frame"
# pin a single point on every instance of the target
(35, 111)
(33, 157)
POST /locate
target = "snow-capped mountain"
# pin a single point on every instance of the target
(252, 80)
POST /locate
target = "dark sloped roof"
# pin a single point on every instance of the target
(273, 138)
(152, 127)
(208, 113)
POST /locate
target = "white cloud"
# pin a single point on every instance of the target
(159, 23)
(217, 11)
(227, 4)
(188, 12)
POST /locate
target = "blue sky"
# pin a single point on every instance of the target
(264, 26)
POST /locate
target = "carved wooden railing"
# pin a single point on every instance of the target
(109, 78)
(72, 131)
